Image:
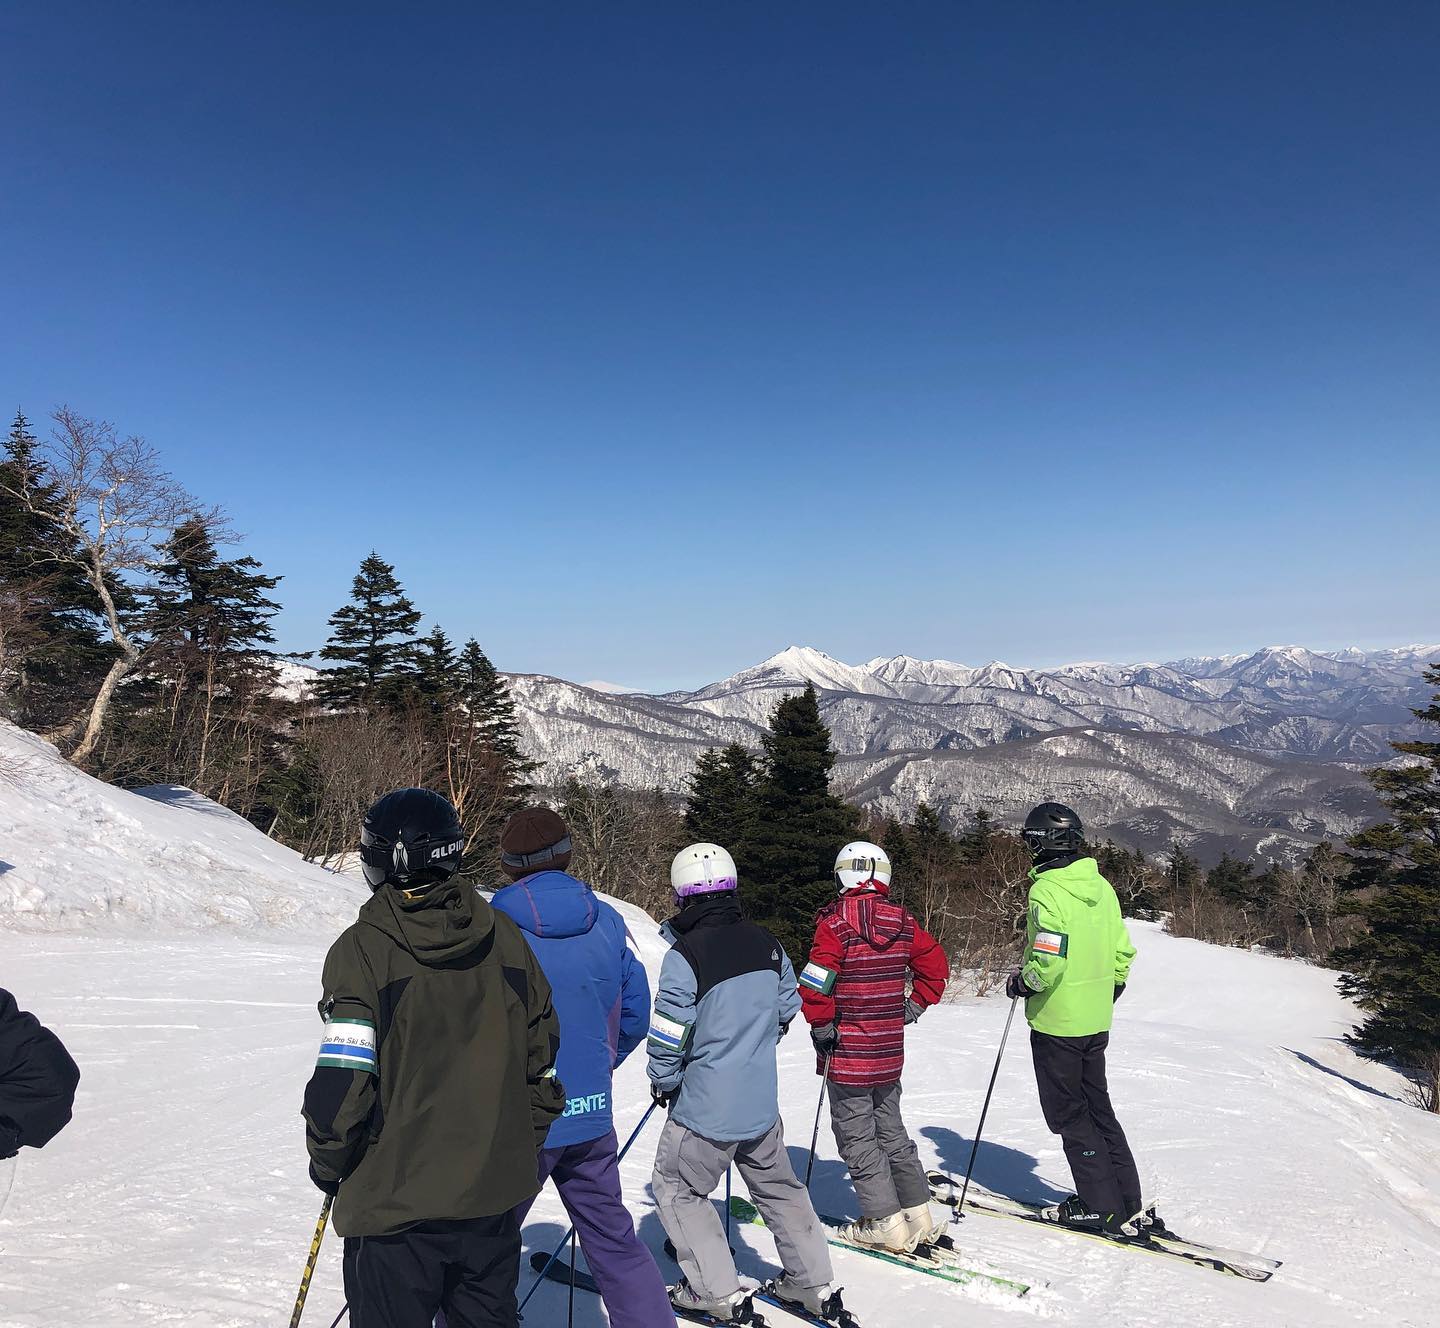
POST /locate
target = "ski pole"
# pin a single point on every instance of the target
(815, 1133)
(310, 1261)
(570, 1318)
(559, 1249)
(728, 1170)
(979, 1129)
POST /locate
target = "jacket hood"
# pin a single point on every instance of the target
(870, 912)
(552, 904)
(448, 923)
(1080, 878)
(703, 911)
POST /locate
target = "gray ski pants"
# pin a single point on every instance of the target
(689, 1168)
(884, 1163)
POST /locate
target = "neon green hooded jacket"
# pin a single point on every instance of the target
(1077, 950)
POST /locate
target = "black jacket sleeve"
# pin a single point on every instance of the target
(340, 1097)
(37, 1080)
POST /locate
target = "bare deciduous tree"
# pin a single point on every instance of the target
(351, 759)
(624, 841)
(117, 505)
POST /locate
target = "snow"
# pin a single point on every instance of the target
(178, 1194)
(78, 851)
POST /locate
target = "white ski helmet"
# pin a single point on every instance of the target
(702, 869)
(859, 863)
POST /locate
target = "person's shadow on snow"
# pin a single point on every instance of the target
(544, 1236)
(998, 1168)
(830, 1188)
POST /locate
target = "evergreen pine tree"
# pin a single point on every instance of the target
(372, 642)
(798, 827)
(1233, 880)
(53, 651)
(1393, 970)
(201, 606)
(896, 843)
(487, 697)
(927, 835)
(721, 799)
(1184, 871)
(974, 840)
(481, 765)
(202, 709)
(438, 673)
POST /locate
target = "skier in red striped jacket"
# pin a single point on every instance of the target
(867, 949)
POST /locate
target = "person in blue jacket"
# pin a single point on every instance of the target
(602, 997)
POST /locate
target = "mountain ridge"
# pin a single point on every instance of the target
(1260, 753)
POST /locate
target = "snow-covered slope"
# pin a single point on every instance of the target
(75, 850)
(178, 1194)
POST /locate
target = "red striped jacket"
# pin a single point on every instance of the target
(865, 950)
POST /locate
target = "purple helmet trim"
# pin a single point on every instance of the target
(715, 887)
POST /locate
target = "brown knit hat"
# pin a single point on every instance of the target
(534, 839)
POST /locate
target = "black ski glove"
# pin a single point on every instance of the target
(663, 1097)
(330, 1187)
(1119, 992)
(1016, 986)
(826, 1038)
(9, 1140)
(912, 1011)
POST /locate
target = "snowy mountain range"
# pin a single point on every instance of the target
(1263, 753)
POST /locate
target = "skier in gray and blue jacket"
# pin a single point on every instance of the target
(727, 995)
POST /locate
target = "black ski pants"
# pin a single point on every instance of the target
(467, 1269)
(1070, 1073)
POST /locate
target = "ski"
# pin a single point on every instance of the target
(1236, 1263)
(839, 1316)
(558, 1270)
(939, 1260)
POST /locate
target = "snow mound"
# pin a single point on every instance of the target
(77, 851)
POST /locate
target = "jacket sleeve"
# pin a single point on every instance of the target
(340, 1096)
(929, 969)
(634, 1003)
(1124, 955)
(790, 1000)
(547, 1093)
(37, 1080)
(817, 982)
(1047, 945)
(672, 1024)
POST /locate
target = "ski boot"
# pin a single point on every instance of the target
(822, 1302)
(737, 1307)
(921, 1225)
(891, 1234)
(1075, 1212)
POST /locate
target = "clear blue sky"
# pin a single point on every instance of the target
(648, 339)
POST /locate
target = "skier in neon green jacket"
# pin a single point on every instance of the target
(1077, 960)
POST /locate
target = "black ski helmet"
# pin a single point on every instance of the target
(412, 839)
(1052, 829)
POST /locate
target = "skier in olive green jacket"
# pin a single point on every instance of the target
(1077, 961)
(435, 1086)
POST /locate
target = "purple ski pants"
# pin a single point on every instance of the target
(588, 1178)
